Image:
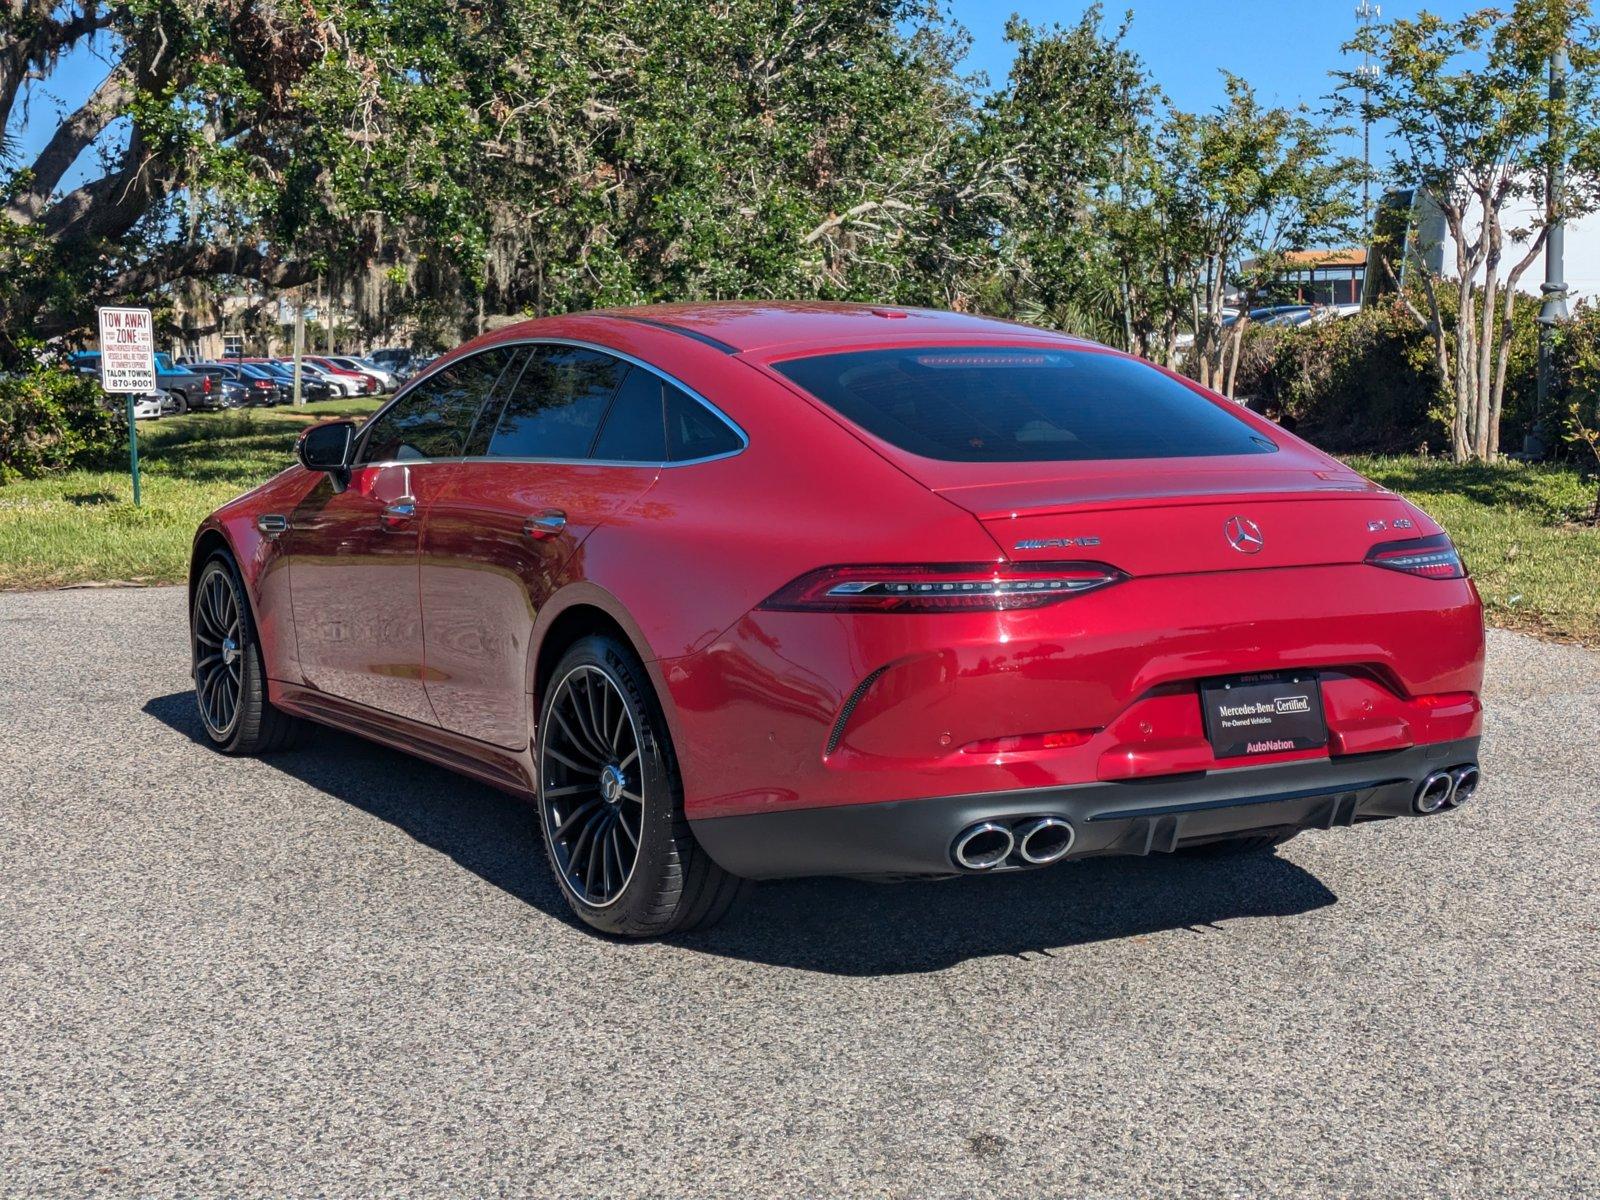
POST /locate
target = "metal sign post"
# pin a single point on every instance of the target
(128, 366)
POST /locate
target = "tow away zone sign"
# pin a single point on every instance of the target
(127, 351)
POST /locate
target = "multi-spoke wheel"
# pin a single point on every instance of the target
(593, 785)
(218, 671)
(230, 681)
(611, 803)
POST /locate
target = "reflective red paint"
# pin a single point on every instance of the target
(428, 629)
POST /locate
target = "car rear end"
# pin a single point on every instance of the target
(1192, 627)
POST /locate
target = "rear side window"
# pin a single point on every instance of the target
(981, 404)
(634, 430)
(694, 431)
(554, 410)
(434, 418)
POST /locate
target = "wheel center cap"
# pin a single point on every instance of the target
(230, 651)
(611, 784)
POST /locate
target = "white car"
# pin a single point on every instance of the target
(343, 385)
(387, 381)
(145, 408)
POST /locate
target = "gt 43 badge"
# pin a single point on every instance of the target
(1397, 523)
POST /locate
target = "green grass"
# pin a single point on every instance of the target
(1525, 532)
(81, 526)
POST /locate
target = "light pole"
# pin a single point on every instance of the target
(1553, 312)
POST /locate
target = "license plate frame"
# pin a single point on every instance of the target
(1269, 712)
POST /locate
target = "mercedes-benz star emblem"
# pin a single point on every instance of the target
(1243, 535)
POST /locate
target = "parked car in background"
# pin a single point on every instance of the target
(260, 388)
(765, 590)
(264, 384)
(394, 359)
(364, 384)
(188, 389)
(311, 387)
(387, 381)
(340, 385)
(225, 378)
(145, 408)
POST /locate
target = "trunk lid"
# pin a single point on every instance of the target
(1179, 517)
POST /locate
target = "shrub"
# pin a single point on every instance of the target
(54, 420)
(1363, 383)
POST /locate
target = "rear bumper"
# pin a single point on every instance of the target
(914, 837)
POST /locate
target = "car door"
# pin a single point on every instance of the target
(578, 439)
(353, 553)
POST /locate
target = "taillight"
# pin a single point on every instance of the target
(944, 587)
(1430, 557)
(205, 384)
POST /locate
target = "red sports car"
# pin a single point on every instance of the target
(743, 591)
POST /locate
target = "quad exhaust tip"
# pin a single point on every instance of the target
(1037, 841)
(1045, 840)
(1466, 783)
(982, 846)
(1434, 792)
(1450, 788)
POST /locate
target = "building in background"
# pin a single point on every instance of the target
(1325, 276)
(1409, 229)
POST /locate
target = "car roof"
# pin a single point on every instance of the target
(743, 326)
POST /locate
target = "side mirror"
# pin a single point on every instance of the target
(326, 448)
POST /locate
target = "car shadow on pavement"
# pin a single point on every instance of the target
(835, 926)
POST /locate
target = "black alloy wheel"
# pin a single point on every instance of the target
(230, 678)
(611, 801)
(593, 786)
(218, 660)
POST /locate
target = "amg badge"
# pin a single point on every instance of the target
(1061, 543)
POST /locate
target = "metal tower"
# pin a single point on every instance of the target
(1367, 16)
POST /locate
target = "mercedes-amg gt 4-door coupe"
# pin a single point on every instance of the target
(747, 591)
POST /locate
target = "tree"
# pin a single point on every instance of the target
(1476, 131)
(1246, 183)
(458, 159)
(1074, 100)
(195, 109)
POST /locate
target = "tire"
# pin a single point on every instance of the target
(182, 404)
(607, 777)
(1258, 843)
(231, 692)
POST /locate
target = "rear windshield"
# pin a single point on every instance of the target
(966, 404)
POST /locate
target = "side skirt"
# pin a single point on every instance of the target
(499, 768)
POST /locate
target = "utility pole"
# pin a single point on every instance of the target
(1367, 14)
(1553, 312)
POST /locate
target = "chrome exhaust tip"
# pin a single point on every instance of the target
(1465, 779)
(1045, 840)
(983, 846)
(1434, 792)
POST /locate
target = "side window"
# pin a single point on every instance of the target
(634, 430)
(435, 417)
(555, 409)
(694, 431)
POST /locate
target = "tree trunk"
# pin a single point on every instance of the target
(1487, 436)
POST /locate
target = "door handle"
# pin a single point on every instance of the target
(398, 514)
(545, 524)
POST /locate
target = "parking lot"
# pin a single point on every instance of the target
(343, 972)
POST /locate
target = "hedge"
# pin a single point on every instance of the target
(54, 420)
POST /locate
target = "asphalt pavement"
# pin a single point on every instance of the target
(341, 972)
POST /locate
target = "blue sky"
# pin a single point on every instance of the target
(1284, 47)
